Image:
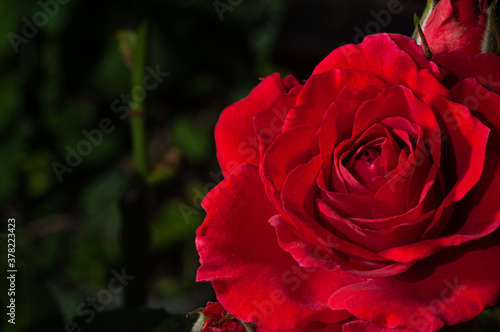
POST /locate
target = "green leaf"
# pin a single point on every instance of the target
(194, 142)
(34, 304)
(172, 223)
(489, 320)
(13, 153)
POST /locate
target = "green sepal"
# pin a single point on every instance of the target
(491, 41)
(431, 4)
(248, 327)
(200, 322)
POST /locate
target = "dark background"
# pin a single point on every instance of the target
(74, 235)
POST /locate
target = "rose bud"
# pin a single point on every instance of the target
(459, 25)
(214, 318)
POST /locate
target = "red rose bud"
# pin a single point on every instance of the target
(214, 318)
(459, 25)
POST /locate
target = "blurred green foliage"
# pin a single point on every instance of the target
(61, 79)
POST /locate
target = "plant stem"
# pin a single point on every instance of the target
(137, 105)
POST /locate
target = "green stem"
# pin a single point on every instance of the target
(137, 105)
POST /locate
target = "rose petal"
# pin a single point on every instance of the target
(410, 46)
(331, 253)
(381, 55)
(268, 124)
(364, 326)
(213, 309)
(298, 196)
(307, 113)
(374, 240)
(463, 149)
(312, 327)
(291, 148)
(453, 286)
(484, 105)
(312, 245)
(350, 204)
(459, 66)
(235, 137)
(398, 101)
(255, 280)
(475, 217)
(339, 118)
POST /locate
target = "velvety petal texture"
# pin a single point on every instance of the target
(448, 288)
(457, 25)
(234, 134)
(366, 326)
(459, 66)
(253, 277)
(364, 199)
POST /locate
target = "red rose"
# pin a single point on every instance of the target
(455, 25)
(364, 200)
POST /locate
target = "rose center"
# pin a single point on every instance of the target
(366, 164)
(369, 163)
